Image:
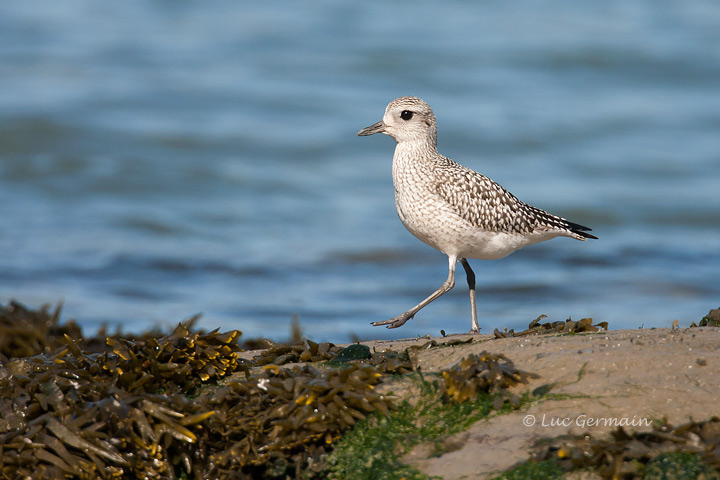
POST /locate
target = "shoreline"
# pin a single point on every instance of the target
(564, 378)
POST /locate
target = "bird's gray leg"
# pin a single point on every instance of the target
(475, 327)
(400, 320)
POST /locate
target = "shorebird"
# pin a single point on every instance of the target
(454, 209)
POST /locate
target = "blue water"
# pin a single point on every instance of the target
(161, 159)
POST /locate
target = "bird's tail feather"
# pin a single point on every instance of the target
(580, 231)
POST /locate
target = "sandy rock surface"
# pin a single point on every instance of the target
(597, 380)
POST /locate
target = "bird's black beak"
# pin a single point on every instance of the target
(378, 127)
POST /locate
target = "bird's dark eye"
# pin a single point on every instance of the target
(406, 115)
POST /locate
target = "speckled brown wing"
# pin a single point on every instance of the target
(487, 205)
(480, 201)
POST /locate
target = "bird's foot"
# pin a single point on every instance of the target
(474, 331)
(395, 322)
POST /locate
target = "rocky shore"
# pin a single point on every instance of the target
(598, 381)
(559, 398)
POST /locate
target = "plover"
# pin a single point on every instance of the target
(462, 213)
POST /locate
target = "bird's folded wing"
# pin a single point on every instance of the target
(484, 203)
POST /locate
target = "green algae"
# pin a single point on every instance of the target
(375, 447)
(352, 352)
(543, 470)
(679, 466)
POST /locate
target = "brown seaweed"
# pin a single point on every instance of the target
(712, 319)
(536, 327)
(188, 405)
(289, 410)
(303, 351)
(25, 332)
(625, 456)
(483, 373)
(72, 414)
(132, 410)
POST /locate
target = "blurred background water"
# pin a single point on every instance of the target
(160, 159)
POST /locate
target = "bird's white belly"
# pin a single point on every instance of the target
(443, 229)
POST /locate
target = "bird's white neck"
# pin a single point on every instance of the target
(415, 151)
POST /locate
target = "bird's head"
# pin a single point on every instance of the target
(406, 119)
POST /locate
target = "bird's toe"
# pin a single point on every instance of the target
(395, 322)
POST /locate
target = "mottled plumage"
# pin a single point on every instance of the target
(460, 212)
(487, 205)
